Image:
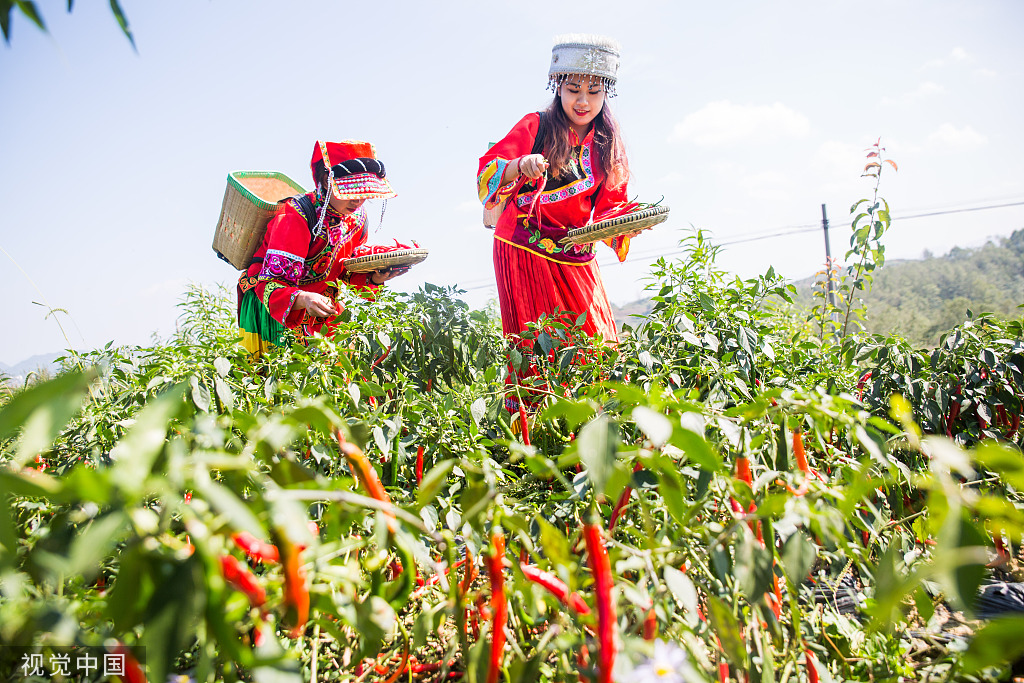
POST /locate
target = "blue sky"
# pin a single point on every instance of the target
(746, 116)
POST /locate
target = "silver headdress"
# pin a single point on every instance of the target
(584, 54)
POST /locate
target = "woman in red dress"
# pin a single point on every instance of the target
(287, 283)
(555, 170)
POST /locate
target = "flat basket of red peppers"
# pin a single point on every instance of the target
(380, 256)
(631, 217)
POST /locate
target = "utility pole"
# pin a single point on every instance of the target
(828, 258)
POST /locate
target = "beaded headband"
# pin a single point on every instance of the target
(579, 54)
(359, 183)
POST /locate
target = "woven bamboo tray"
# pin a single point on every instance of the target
(388, 259)
(631, 222)
(250, 201)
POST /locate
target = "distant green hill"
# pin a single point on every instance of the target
(924, 298)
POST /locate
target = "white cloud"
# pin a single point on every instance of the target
(949, 136)
(724, 123)
(987, 74)
(957, 55)
(926, 89)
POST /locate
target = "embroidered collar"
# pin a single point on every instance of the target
(585, 176)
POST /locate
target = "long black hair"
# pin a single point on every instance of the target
(611, 152)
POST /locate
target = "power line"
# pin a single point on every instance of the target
(814, 227)
(786, 231)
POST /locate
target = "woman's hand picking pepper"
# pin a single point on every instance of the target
(532, 166)
(317, 304)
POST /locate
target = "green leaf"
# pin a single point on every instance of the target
(596, 445)
(42, 410)
(656, 426)
(224, 393)
(8, 533)
(478, 410)
(727, 628)
(122, 21)
(969, 575)
(28, 8)
(798, 555)
(924, 604)
(573, 412)
(695, 448)
(135, 454)
(685, 593)
(433, 481)
(222, 366)
(997, 643)
(752, 569)
(555, 544)
(171, 614)
(200, 394)
(225, 502)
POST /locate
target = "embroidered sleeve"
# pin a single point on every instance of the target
(516, 143)
(287, 241)
(607, 204)
(282, 266)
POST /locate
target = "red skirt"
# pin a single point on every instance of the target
(530, 286)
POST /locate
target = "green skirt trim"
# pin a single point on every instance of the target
(254, 318)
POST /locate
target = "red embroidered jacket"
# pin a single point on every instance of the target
(291, 260)
(568, 203)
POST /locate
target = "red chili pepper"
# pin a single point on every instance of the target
(499, 605)
(254, 548)
(524, 424)
(812, 669)
(650, 625)
(798, 452)
(777, 603)
(133, 671)
(860, 384)
(296, 595)
(600, 565)
(237, 574)
(470, 574)
(556, 587)
(743, 470)
(623, 501)
(387, 352)
(1001, 547)
(366, 475)
(1001, 416)
(432, 580)
(400, 670)
(419, 466)
(535, 203)
(954, 411)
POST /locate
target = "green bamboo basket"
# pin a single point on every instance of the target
(250, 201)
